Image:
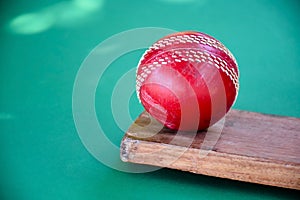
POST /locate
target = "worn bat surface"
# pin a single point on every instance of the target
(244, 146)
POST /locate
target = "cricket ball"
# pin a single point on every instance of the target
(187, 81)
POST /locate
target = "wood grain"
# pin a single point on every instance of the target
(245, 146)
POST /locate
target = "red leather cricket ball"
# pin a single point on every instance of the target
(187, 80)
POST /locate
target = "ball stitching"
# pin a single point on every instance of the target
(188, 55)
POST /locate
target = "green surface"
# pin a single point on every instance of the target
(41, 154)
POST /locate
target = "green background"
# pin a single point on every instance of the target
(43, 44)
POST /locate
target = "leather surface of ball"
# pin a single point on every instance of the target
(187, 80)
